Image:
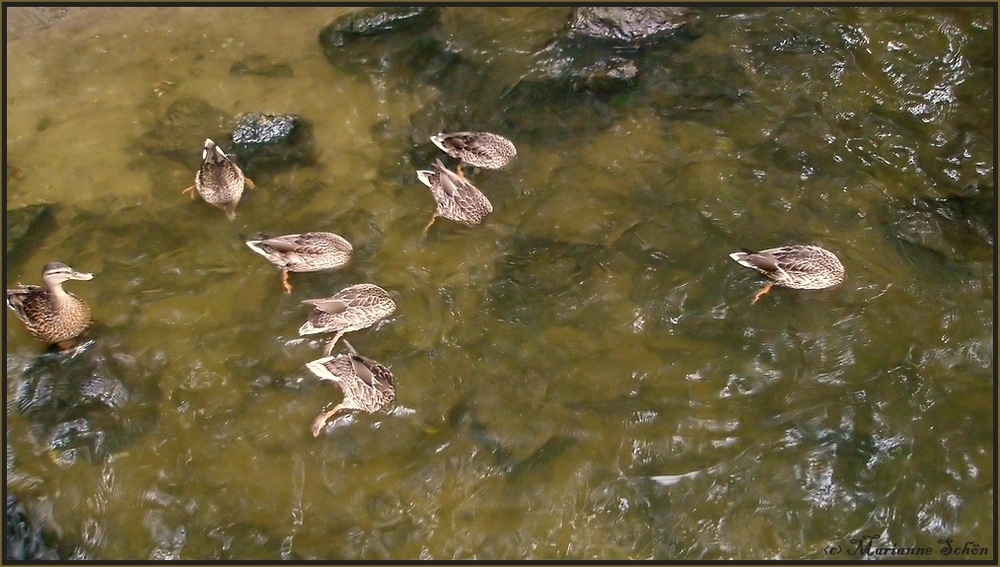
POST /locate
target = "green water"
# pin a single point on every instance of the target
(591, 338)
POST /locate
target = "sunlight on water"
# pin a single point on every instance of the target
(582, 377)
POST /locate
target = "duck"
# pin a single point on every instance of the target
(353, 308)
(457, 199)
(798, 266)
(306, 252)
(367, 385)
(51, 313)
(478, 149)
(219, 180)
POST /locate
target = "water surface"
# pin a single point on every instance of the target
(583, 377)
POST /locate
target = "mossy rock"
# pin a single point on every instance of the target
(629, 24)
(268, 140)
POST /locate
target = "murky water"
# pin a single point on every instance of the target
(583, 377)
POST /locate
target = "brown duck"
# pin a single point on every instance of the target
(51, 313)
(219, 181)
(457, 199)
(367, 385)
(306, 252)
(799, 266)
(478, 149)
(350, 309)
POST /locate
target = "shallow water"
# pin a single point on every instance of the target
(583, 377)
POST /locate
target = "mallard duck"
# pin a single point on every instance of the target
(800, 266)
(456, 198)
(350, 309)
(478, 149)
(306, 252)
(51, 313)
(219, 181)
(367, 385)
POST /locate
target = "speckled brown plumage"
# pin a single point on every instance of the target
(799, 266)
(51, 313)
(367, 384)
(350, 309)
(219, 181)
(456, 198)
(306, 252)
(478, 149)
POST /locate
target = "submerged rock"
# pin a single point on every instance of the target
(607, 74)
(537, 270)
(267, 139)
(25, 541)
(377, 21)
(629, 24)
(555, 108)
(582, 68)
(25, 229)
(959, 228)
(259, 65)
(571, 58)
(401, 49)
(554, 94)
(388, 39)
(679, 84)
(509, 460)
(81, 403)
(179, 133)
(14, 173)
(24, 20)
(259, 140)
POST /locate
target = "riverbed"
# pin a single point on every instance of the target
(583, 376)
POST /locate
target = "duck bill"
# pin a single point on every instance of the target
(81, 276)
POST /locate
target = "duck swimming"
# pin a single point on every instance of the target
(51, 313)
(306, 252)
(350, 309)
(219, 181)
(799, 266)
(367, 385)
(478, 149)
(457, 199)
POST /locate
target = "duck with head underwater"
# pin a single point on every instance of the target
(219, 180)
(478, 149)
(306, 252)
(367, 385)
(799, 266)
(456, 198)
(351, 309)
